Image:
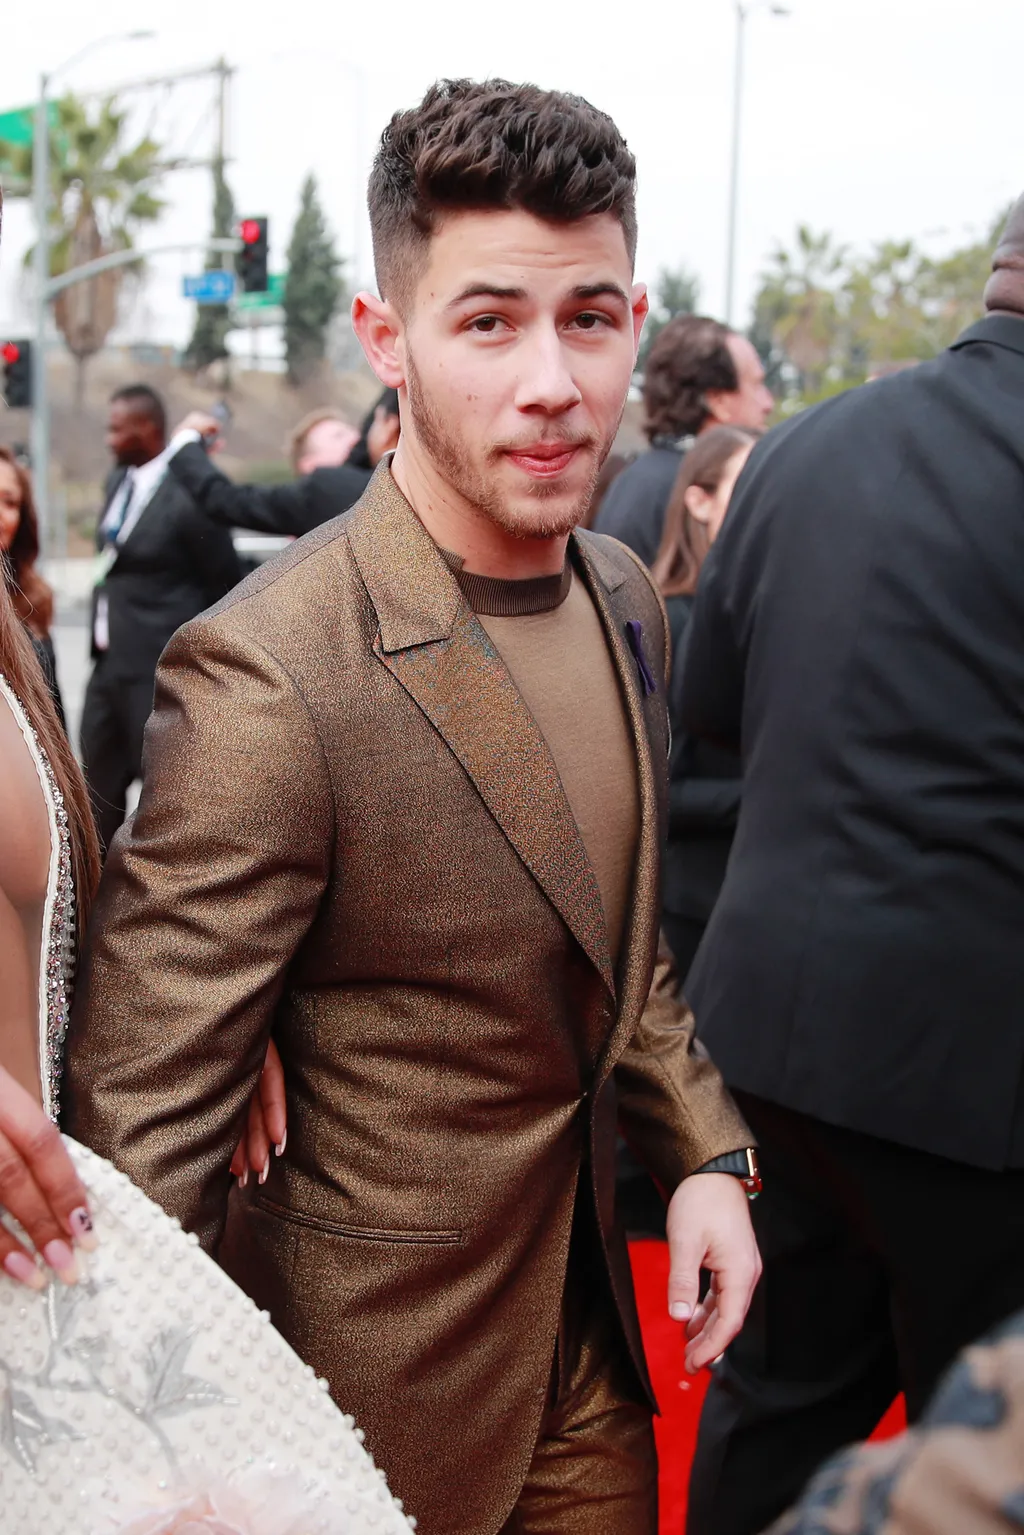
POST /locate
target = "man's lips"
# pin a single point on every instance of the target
(544, 460)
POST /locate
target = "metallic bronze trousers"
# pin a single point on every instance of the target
(595, 1468)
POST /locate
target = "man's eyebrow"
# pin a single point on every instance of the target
(602, 290)
(486, 290)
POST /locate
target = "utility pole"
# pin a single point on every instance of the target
(39, 428)
(743, 10)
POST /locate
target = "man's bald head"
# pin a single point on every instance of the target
(1005, 288)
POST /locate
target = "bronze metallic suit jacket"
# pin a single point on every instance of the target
(352, 835)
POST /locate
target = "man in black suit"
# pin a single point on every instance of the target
(326, 487)
(859, 630)
(161, 562)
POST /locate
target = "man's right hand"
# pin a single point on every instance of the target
(208, 427)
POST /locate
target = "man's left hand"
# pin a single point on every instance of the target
(709, 1227)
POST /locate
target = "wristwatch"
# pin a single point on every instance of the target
(743, 1165)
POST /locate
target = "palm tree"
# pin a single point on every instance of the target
(101, 192)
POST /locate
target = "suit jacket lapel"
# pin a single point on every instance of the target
(144, 516)
(435, 647)
(640, 940)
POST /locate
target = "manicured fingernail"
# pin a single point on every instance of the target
(265, 1169)
(62, 1260)
(243, 1179)
(679, 1311)
(82, 1230)
(282, 1143)
(21, 1268)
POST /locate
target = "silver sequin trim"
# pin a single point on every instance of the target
(58, 959)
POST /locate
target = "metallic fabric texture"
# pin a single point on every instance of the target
(352, 835)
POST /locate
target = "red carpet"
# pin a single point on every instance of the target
(678, 1395)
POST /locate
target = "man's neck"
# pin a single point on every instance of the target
(458, 526)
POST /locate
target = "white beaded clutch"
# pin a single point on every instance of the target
(153, 1397)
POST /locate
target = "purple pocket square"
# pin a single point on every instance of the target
(635, 635)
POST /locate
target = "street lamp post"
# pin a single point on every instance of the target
(743, 10)
(40, 423)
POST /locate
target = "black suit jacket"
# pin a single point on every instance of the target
(633, 510)
(172, 565)
(859, 627)
(295, 508)
(704, 800)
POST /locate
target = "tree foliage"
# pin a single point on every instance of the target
(677, 291)
(213, 321)
(102, 190)
(313, 289)
(827, 317)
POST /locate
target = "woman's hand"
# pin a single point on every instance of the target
(40, 1188)
(267, 1123)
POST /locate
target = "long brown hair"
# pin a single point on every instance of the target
(684, 542)
(21, 669)
(32, 597)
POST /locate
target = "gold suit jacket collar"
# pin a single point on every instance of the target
(436, 648)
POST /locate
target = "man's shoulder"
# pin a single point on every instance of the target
(655, 466)
(289, 601)
(619, 567)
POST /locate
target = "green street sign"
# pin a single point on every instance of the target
(16, 132)
(272, 299)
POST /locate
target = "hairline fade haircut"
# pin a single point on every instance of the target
(474, 146)
(144, 401)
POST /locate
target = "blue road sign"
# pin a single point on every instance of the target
(210, 287)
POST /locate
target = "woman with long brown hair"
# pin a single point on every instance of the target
(704, 790)
(19, 555)
(49, 865)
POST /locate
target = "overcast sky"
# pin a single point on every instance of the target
(870, 118)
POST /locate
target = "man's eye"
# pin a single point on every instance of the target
(590, 320)
(485, 324)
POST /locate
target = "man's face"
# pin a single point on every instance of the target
(326, 445)
(517, 349)
(750, 403)
(132, 437)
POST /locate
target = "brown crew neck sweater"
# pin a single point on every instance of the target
(550, 637)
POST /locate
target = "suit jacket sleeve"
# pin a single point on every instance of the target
(284, 510)
(203, 903)
(212, 552)
(674, 1109)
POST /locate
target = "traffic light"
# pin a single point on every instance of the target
(251, 261)
(17, 388)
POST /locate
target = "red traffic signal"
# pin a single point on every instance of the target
(16, 389)
(251, 260)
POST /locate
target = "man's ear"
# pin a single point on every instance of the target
(381, 333)
(641, 304)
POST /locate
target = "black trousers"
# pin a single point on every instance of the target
(114, 717)
(880, 1264)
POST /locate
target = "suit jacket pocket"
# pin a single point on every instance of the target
(430, 1237)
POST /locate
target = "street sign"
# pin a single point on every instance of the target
(215, 287)
(273, 298)
(16, 129)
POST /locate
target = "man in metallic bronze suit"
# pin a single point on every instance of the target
(404, 796)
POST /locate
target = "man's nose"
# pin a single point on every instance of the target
(546, 382)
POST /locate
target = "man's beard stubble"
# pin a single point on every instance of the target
(454, 465)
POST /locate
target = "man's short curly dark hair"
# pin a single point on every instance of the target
(690, 356)
(481, 145)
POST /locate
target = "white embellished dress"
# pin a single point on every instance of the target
(152, 1397)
